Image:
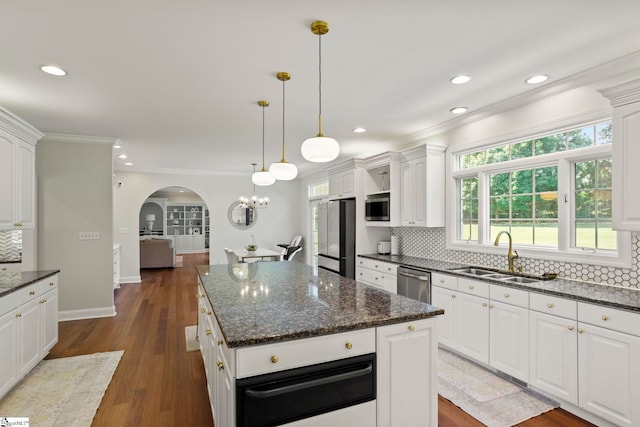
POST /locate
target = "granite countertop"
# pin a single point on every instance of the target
(11, 281)
(280, 301)
(602, 294)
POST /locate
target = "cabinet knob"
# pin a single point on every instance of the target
(411, 328)
(490, 305)
(42, 301)
(441, 280)
(506, 295)
(208, 331)
(220, 365)
(484, 304)
(361, 273)
(570, 328)
(349, 346)
(220, 342)
(388, 268)
(18, 315)
(376, 278)
(32, 293)
(471, 286)
(203, 311)
(580, 330)
(550, 305)
(209, 313)
(453, 296)
(274, 359)
(376, 265)
(605, 318)
(51, 284)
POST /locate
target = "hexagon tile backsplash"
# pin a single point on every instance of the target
(431, 243)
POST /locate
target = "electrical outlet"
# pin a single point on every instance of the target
(89, 235)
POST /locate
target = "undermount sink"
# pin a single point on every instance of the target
(496, 275)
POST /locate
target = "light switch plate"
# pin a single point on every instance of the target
(89, 235)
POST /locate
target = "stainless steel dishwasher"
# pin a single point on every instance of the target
(414, 284)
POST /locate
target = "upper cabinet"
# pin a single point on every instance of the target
(17, 172)
(422, 187)
(625, 99)
(343, 179)
(382, 190)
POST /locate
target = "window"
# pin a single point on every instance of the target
(552, 193)
(319, 190)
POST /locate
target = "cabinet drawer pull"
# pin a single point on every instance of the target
(220, 365)
(51, 284)
(411, 328)
(274, 359)
(32, 293)
(208, 331)
(18, 315)
(506, 295)
(570, 328)
(549, 305)
(220, 342)
(209, 313)
(605, 318)
(349, 346)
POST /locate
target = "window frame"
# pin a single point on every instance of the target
(566, 210)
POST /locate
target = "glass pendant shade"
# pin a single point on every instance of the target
(262, 178)
(283, 171)
(320, 149)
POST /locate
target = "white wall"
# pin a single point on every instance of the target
(75, 196)
(278, 223)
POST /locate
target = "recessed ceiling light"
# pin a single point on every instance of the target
(459, 110)
(128, 164)
(461, 79)
(122, 156)
(536, 79)
(359, 130)
(53, 70)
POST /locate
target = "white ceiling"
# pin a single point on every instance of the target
(177, 81)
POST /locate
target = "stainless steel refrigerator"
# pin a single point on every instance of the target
(337, 237)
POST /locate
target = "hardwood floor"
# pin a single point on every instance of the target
(157, 382)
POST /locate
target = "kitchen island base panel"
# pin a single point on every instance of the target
(362, 415)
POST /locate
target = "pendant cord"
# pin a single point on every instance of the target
(283, 160)
(263, 169)
(319, 85)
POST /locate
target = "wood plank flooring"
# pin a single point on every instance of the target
(157, 382)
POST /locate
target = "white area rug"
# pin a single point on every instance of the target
(190, 338)
(484, 395)
(63, 392)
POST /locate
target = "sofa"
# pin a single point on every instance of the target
(157, 253)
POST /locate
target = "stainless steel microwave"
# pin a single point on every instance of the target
(377, 207)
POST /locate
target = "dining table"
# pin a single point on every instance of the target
(258, 254)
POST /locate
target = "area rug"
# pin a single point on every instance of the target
(191, 339)
(485, 396)
(62, 392)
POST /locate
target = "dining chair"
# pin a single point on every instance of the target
(232, 257)
(290, 252)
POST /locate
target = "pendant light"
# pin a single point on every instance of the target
(263, 177)
(283, 170)
(320, 148)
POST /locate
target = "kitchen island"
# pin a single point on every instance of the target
(276, 318)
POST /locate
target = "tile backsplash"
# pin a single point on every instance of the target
(431, 243)
(10, 246)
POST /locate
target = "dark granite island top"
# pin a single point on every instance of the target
(269, 302)
(11, 281)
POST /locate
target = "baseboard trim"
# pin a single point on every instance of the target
(90, 313)
(131, 279)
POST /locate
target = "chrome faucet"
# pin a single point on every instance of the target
(511, 254)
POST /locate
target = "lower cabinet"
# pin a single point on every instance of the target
(377, 273)
(473, 327)
(28, 330)
(407, 374)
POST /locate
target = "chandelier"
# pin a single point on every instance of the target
(254, 201)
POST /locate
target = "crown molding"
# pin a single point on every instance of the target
(80, 139)
(18, 127)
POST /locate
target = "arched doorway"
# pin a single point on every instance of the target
(173, 222)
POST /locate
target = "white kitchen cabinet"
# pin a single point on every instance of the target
(609, 363)
(17, 183)
(378, 273)
(187, 243)
(446, 299)
(406, 365)
(28, 329)
(473, 327)
(509, 331)
(342, 184)
(422, 187)
(625, 99)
